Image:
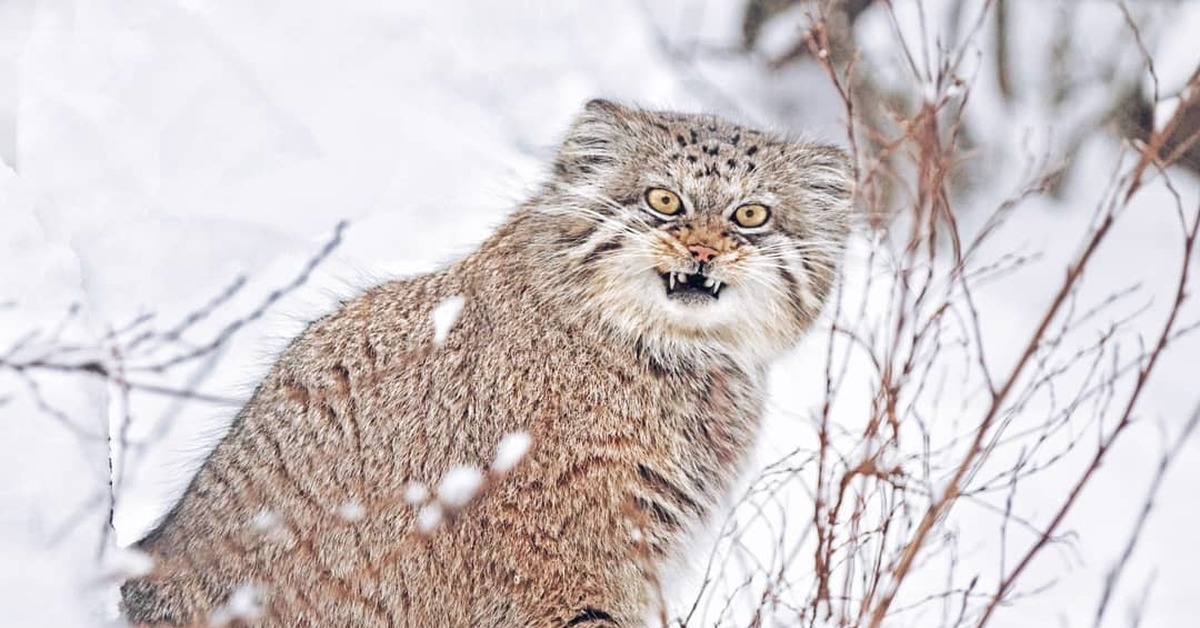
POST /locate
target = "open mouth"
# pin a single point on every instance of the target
(691, 286)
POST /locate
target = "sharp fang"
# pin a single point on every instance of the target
(671, 282)
(708, 283)
(716, 287)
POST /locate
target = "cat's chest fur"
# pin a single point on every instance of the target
(576, 391)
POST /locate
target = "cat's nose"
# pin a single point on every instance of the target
(703, 254)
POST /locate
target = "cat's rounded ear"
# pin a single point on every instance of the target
(829, 172)
(594, 138)
(601, 107)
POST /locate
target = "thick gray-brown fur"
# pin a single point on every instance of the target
(641, 405)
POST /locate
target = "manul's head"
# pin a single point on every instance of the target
(690, 232)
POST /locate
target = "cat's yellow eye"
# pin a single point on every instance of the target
(663, 201)
(750, 216)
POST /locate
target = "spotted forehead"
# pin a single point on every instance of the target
(702, 147)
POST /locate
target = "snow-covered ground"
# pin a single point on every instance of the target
(154, 152)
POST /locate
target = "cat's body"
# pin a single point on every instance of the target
(641, 392)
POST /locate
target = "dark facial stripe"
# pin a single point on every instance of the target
(808, 266)
(604, 209)
(793, 290)
(657, 511)
(578, 239)
(667, 488)
(805, 259)
(599, 250)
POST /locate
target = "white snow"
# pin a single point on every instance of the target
(40, 588)
(511, 450)
(429, 518)
(444, 316)
(458, 486)
(266, 521)
(416, 494)
(128, 562)
(245, 604)
(352, 511)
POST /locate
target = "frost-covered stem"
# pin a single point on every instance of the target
(119, 439)
(1131, 183)
(941, 505)
(232, 328)
(1003, 75)
(1164, 464)
(1151, 360)
(61, 358)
